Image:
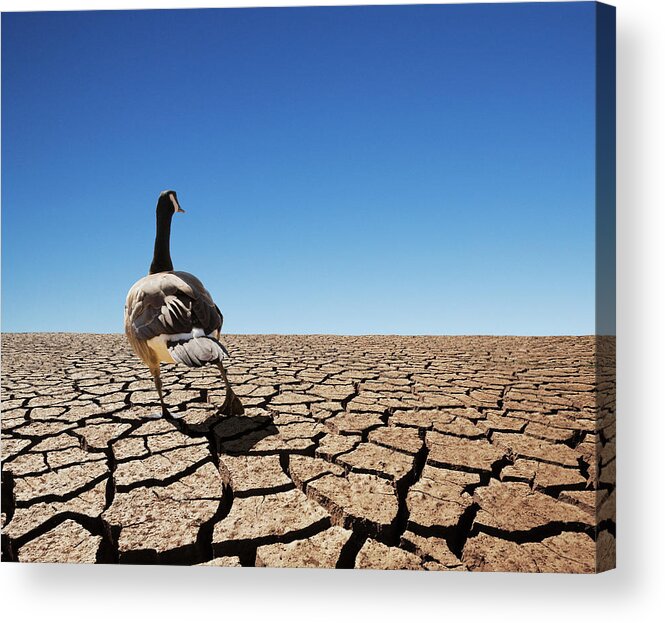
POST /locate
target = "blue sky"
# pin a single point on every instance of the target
(415, 170)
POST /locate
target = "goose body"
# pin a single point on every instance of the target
(170, 317)
(167, 309)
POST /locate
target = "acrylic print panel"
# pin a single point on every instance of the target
(405, 215)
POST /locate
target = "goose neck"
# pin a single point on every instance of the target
(161, 260)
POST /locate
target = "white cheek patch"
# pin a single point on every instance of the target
(176, 207)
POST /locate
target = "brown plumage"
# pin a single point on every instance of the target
(170, 317)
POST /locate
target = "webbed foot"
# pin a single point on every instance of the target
(232, 405)
(173, 414)
(165, 413)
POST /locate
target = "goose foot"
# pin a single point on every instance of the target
(173, 414)
(232, 405)
(165, 413)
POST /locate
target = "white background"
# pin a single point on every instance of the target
(633, 592)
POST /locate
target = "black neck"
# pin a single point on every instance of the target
(161, 260)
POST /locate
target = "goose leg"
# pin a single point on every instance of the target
(232, 404)
(158, 384)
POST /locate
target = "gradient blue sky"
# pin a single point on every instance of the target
(417, 169)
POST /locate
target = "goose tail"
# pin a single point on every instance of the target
(198, 351)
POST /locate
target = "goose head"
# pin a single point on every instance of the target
(167, 204)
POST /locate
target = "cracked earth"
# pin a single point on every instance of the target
(436, 453)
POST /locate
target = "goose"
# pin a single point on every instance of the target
(171, 318)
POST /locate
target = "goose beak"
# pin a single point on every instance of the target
(176, 205)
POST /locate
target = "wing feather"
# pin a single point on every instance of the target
(170, 303)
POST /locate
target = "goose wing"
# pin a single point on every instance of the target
(170, 303)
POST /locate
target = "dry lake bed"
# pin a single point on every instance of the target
(437, 453)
